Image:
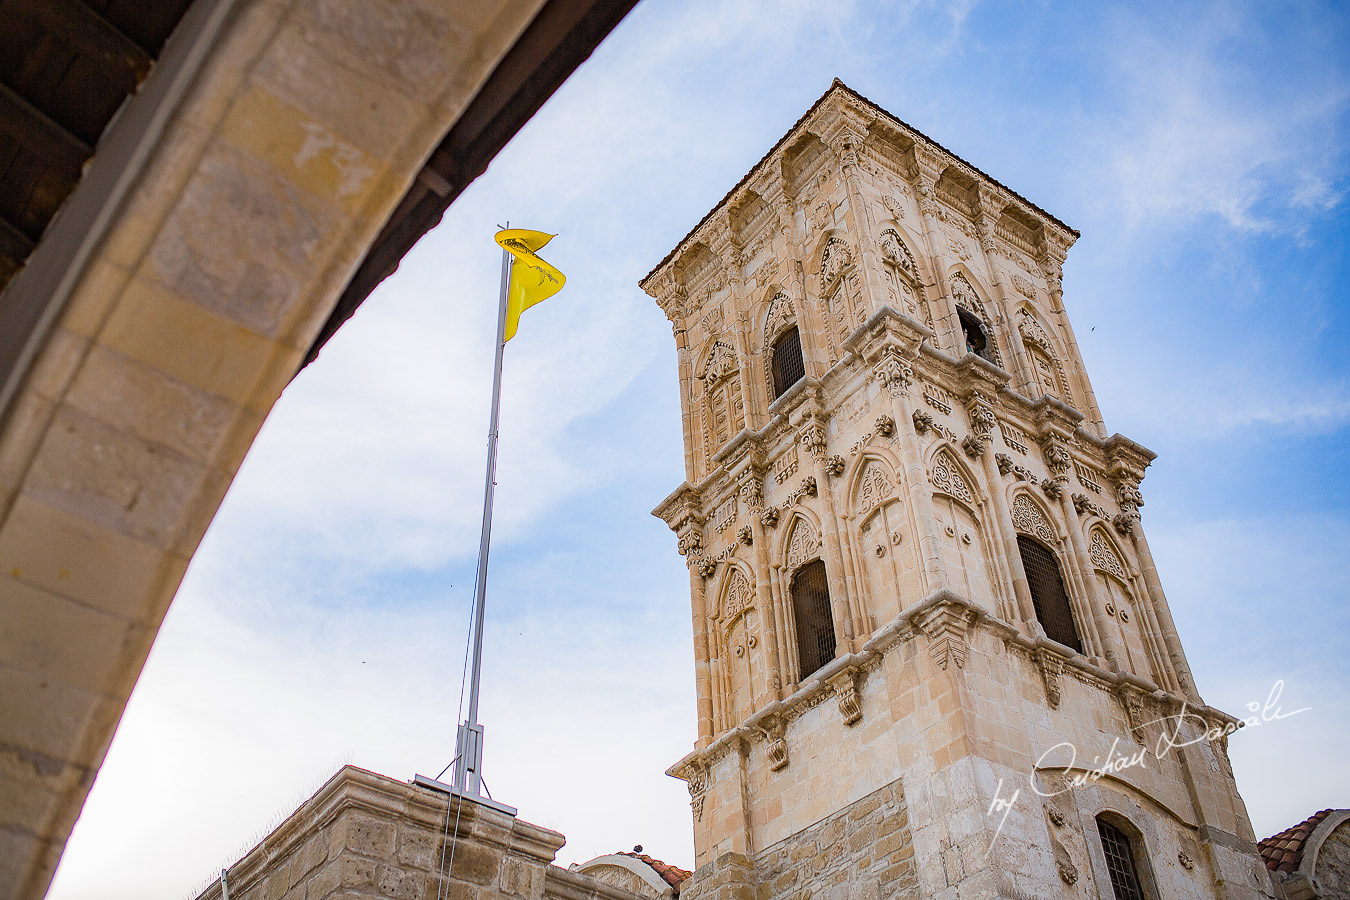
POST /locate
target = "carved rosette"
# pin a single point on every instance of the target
(1005, 463)
(745, 535)
(973, 446)
(893, 372)
(769, 518)
(885, 426)
(808, 487)
(706, 566)
(812, 437)
(835, 465)
(922, 421)
(1053, 488)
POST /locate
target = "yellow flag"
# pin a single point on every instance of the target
(532, 280)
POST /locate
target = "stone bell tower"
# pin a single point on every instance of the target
(933, 656)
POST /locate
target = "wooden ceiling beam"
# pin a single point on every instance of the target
(73, 23)
(30, 128)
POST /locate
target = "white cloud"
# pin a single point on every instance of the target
(1196, 134)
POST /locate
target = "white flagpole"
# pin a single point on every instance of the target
(469, 752)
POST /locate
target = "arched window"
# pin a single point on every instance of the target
(1120, 862)
(1047, 592)
(787, 364)
(977, 341)
(815, 625)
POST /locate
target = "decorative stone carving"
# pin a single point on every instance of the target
(973, 446)
(746, 535)
(1067, 871)
(1005, 463)
(775, 745)
(780, 316)
(1052, 668)
(874, 487)
(946, 477)
(769, 518)
(1185, 859)
(1028, 519)
(807, 487)
(1130, 499)
(845, 686)
(946, 626)
(719, 363)
(1057, 459)
(1053, 489)
(885, 426)
(893, 372)
(706, 565)
(1133, 703)
(835, 465)
(803, 545)
(812, 437)
(982, 424)
(752, 493)
(690, 540)
(697, 782)
(738, 598)
(966, 298)
(833, 259)
(1084, 505)
(922, 421)
(1024, 286)
(1103, 556)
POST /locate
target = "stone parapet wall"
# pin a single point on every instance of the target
(367, 836)
(864, 850)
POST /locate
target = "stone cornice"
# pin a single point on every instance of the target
(942, 615)
(855, 117)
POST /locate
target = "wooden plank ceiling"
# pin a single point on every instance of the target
(66, 66)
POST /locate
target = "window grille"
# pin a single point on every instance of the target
(1120, 862)
(815, 625)
(977, 341)
(1047, 592)
(788, 365)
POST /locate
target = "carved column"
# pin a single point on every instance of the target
(752, 498)
(847, 144)
(930, 168)
(812, 440)
(1104, 625)
(1056, 248)
(982, 422)
(895, 375)
(1127, 523)
(702, 659)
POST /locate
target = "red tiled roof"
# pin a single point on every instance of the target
(1284, 851)
(674, 875)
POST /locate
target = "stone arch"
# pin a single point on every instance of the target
(1119, 588)
(722, 397)
(872, 482)
(801, 541)
(1030, 517)
(977, 303)
(948, 475)
(775, 314)
(1045, 355)
(735, 594)
(1106, 554)
(901, 275)
(840, 290)
(963, 543)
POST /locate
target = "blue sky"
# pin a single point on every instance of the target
(1198, 147)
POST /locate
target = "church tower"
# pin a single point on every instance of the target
(933, 656)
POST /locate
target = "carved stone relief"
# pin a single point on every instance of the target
(1028, 518)
(946, 477)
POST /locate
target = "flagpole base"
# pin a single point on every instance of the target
(442, 787)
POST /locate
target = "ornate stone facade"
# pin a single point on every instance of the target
(917, 476)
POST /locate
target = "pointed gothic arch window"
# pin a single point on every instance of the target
(977, 341)
(815, 625)
(1047, 592)
(785, 361)
(725, 405)
(1121, 863)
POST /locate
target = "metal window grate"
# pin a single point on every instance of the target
(1120, 862)
(815, 625)
(788, 365)
(1047, 592)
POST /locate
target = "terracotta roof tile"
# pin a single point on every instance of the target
(674, 875)
(1284, 851)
